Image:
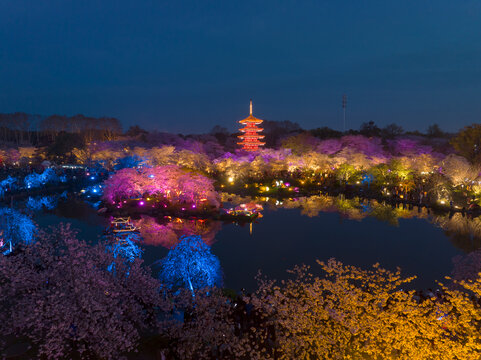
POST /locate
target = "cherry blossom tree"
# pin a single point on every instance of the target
(330, 146)
(459, 170)
(355, 313)
(16, 228)
(171, 182)
(161, 156)
(407, 147)
(68, 304)
(301, 143)
(190, 264)
(211, 328)
(124, 184)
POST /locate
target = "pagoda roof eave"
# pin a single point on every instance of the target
(251, 119)
(260, 143)
(251, 136)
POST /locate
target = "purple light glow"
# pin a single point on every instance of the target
(141, 203)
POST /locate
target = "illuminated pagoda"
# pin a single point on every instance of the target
(250, 133)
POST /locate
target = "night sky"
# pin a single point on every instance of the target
(185, 66)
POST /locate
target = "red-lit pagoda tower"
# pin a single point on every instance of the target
(250, 133)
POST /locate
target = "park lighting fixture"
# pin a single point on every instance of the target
(230, 179)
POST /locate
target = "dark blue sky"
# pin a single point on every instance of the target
(185, 66)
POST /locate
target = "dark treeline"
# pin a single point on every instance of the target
(276, 131)
(22, 128)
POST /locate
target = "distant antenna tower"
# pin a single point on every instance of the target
(344, 104)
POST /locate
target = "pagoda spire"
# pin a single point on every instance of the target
(250, 112)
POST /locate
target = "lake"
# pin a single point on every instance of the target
(295, 232)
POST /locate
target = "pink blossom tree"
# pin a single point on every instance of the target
(59, 295)
(124, 184)
(170, 182)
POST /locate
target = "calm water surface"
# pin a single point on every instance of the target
(283, 238)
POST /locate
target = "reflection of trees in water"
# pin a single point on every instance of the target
(310, 206)
(463, 231)
(74, 208)
(385, 213)
(168, 231)
(467, 267)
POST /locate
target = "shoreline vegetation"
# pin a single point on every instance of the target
(68, 299)
(347, 312)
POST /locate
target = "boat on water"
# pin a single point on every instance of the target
(122, 225)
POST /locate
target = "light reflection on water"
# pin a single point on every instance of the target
(301, 231)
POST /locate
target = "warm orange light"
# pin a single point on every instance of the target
(250, 137)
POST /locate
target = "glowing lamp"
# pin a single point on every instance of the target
(141, 203)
